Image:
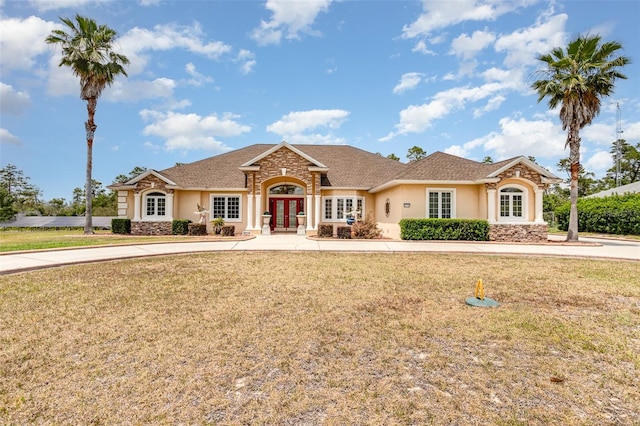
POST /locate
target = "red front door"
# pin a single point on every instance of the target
(283, 213)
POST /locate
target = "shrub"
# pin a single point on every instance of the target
(197, 229)
(366, 229)
(325, 230)
(344, 232)
(444, 229)
(120, 226)
(180, 226)
(217, 225)
(228, 231)
(617, 214)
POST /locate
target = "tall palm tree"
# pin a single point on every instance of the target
(87, 50)
(576, 80)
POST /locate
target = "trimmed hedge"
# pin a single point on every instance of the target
(444, 229)
(180, 226)
(344, 232)
(325, 230)
(616, 214)
(197, 229)
(120, 226)
(228, 231)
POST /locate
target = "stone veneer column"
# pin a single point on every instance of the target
(491, 205)
(136, 206)
(538, 215)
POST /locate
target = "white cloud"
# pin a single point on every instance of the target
(166, 37)
(11, 101)
(7, 138)
(493, 104)
(247, 61)
(46, 5)
(22, 40)
(408, 81)
(418, 118)
(468, 47)
(300, 121)
(192, 131)
(292, 127)
(134, 90)
(522, 46)
(421, 47)
(542, 139)
(289, 19)
(442, 14)
(196, 79)
(599, 163)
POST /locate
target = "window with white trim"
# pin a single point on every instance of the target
(336, 209)
(155, 205)
(512, 202)
(227, 207)
(441, 203)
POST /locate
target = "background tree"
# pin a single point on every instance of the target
(392, 156)
(576, 80)
(487, 160)
(416, 153)
(87, 50)
(19, 194)
(629, 165)
(136, 171)
(587, 184)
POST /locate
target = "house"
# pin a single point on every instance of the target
(631, 188)
(328, 183)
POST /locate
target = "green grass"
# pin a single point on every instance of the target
(39, 240)
(322, 338)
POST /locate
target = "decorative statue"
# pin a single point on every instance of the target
(202, 211)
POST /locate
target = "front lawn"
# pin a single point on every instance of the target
(322, 338)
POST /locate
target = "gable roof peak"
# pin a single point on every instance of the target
(287, 145)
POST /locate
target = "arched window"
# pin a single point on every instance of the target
(155, 205)
(513, 203)
(286, 190)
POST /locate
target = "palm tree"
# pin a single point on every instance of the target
(87, 50)
(576, 80)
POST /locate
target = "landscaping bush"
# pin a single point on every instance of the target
(444, 229)
(616, 214)
(197, 229)
(120, 226)
(228, 231)
(344, 232)
(366, 229)
(325, 230)
(180, 226)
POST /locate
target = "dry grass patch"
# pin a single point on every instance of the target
(322, 338)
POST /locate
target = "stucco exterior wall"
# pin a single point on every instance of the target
(531, 196)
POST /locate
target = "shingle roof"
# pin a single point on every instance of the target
(349, 167)
(447, 167)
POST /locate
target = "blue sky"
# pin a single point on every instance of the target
(207, 77)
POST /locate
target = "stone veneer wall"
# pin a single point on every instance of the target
(525, 233)
(150, 228)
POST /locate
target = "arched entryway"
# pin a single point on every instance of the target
(285, 202)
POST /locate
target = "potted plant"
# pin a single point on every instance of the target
(266, 218)
(300, 217)
(217, 225)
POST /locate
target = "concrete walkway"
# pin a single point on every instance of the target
(589, 248)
